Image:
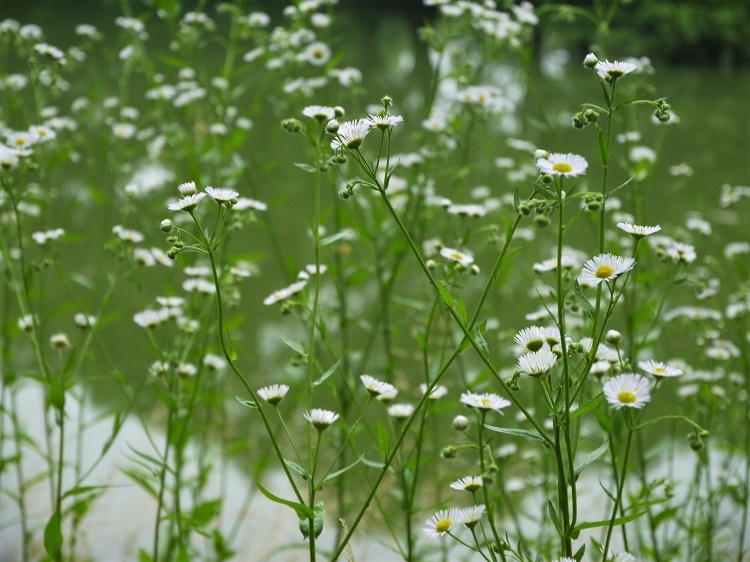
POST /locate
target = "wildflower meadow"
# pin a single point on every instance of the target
(318, 282)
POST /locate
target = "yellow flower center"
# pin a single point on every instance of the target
(456, 256)
(443, 526)
(562, 167)
(604, 271)
(626, 397)
(485, 402)
(659, 370)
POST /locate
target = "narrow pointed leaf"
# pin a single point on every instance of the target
(303, 512)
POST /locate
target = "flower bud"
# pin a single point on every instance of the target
(332, 126)
(540, 153)
(590, 61)
(613, 337)
(541, 221)
(448, 453)
(292, 126)
(460, 423)
(166, 225)
(339, 111)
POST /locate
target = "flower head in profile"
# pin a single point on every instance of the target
(187, 188)
(636, 231)
(605, 267)
(400, 411)
(319, 112)
(187, 203)
(285, 293)
(531, 338)
(537, 363)
(559, 164)
(350, 134)
(470, 516)
(440, 524)
(659, 369)
(437, 392)
(486, 401)
(321, 419)
(273, 394)
(627, 391)
(613, 70)
(384, 122)
(376, 387)
(221, 195)
(468, 483)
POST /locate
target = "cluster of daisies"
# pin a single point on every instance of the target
(505, 27)
(377, 389)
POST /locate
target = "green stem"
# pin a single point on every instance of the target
(620, 487)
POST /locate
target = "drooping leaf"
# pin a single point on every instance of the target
(519, 433)
(295, 346)
(384, 440)
(303, 512)
(582, 463)
(605, 522)
(445, 294)
(328, 373)
(248, 403)
(338, 473)
(53, 538)
(584, 302)
(297, 468)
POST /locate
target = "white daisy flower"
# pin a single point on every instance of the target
(601, 352)
(559, 164)
(319, 112)
(440, 523)
(316, 53)
(627, 391)
(321, 419)
(537, 363)
(531, 338)
(247, 203)
(384, 122)
(59, 341)
(284, 293)
(604, 267)
(376, 387)
(151, 318)
(186, 204)
(214, 362)
(613, 70)
(468, 483)
(638, 231)
(351, 134)
(486, 401)
(438, 392)
(659, 369)
(400, 411)
(470, 516)
(221, 195)
(462, 258)
(273, 394)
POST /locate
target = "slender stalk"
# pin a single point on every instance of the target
(620, 486)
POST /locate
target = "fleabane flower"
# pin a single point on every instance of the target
(437, 392)
(486, 401)
(638, 231)
(376, 387)
(531, 338)
(627, 391)
(468, 483)
(384, 122)
(537, 363)
(274, 393)
(321, 419)
(470, 516)
(559, 164)
(187, 203)
(659, 369)
(350, 134)
(457, 256)
(285, 293)
(613, 70)
(319, 112)
(221, 195)
(400, 411)
(605, 267)
(440, 523)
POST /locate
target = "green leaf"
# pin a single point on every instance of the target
(584, 302)
(605, 522)
(554, 517)
(384, 440)
(481, 342)
(144, 556)
(445, 294)
(516, 204)
(328, 373)
(603, 155)
(53, 538)
(586, 407)
(205, 512)
(333, 238)
(579, 554)
(297, 468)
(461, 312)
(295, 346)
(82, 490)
(56, 393)
(303, 512)
(305, 167)
(519, 433)
(248, 403)
(340, 472)
(582, 463)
